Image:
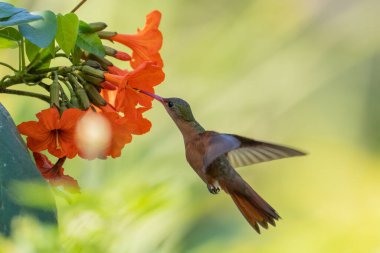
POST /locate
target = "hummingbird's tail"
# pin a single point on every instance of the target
(255, 209)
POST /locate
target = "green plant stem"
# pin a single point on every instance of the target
(8, 66)
(44, 86)
(19, 57)
(25, 93)
(22, 53)
(36, 76)
(61, 55)
(18, 79)
(61, 70)
(78, 6)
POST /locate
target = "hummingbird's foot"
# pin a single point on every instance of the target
(213, 189)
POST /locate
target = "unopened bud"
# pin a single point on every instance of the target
(106, 35)
(123, 56)
(94, 95)
(64, 106)
(110, 51)
(93, 63)
(101, 60)
(90, 71)
(54, 93)
(117, 54)
(97, 26)
(93, 79)
(74, 100)
(81, 94)
(83, 98)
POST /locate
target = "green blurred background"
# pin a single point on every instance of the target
(304, 73)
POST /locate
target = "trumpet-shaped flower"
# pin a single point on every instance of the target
(127, 96)
(52, 132)
(146, 43)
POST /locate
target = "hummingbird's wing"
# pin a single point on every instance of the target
(242, 151)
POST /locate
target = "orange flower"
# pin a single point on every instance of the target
(121, 133)
(55, 173)
(52, 132)
(137, 124)
(146, 43)
(127, 97)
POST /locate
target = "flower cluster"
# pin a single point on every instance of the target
(105, 100)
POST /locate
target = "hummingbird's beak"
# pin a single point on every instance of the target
(156, 97)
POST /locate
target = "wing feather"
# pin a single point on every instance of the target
(242, 151)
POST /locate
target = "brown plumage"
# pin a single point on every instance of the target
(213, 156)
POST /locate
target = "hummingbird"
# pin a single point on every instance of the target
(214, 157)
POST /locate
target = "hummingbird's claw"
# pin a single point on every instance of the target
(213, 189)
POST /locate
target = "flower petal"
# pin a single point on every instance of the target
(38, 145)
(70, 118)
(146, 75)
(49, 118)
(146, 43)
(120, 134)
(34, 130)
(45, 167)
(67, 142)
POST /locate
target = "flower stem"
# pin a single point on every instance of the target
(25, 93)
(19, 57)
(22, 45)
(8, 66)
(78, 6)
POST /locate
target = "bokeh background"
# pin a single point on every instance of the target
(305, 73)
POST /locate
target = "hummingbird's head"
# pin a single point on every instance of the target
(178, 109)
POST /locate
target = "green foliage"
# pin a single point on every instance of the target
(41, 32)
(7, 10)
(31, 50)
(9, 37)
(73, 36)
(89, 41)
(67, 31)
(5, 43)
(22, 189)
(43, 57)
(10, 15)
(10, 33)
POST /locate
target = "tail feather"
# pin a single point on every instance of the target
(255, 209)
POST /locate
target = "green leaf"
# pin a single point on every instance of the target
(10, 33)
(77, 53)
(91, 43)
(16, 166)
(31, 50)
(67, 31)
(4, 43)
(44, 55)
(41, 32)
(20, 18)
(84, 27)
(51, 49)
(7, 10)
(9, 38)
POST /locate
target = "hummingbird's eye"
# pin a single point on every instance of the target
(170, 104)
